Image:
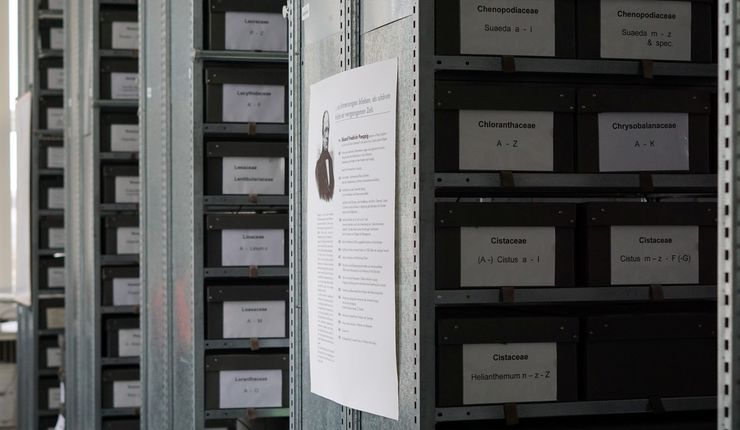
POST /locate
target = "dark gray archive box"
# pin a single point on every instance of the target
(121, 184)
(49, 393)
(247, 312)
(657, 30)
(119, 27)
(483, 127)
(120, 423)
(121, 388)
(51, 154)
(507, 360)
(119, 79)
(51, 316)
(525, 28)
(50, 354)
(51, 192)
(121, 234)
(51, 113)
(51, 33)
(247, 94)
(119, 131)
(650, 356)
(247, 381)
(247, 240)
(121, 286)
(256, 25)
(643, 130)
(51, 273)
(51, 73)
(51, 232)
(247, 168)
(123, 337)
(481, 245)
(630, 243)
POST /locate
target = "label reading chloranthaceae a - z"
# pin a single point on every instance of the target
(507, 27)
(54, 398)
(127, 240)
(129, 342)
(507, 256)
(55, 78)
(55, 277)
(124, 138)
(510, 373)
(256, 31)
(253, 247)
(126, 394)
(55, 198)
(255, 319)
(53, 357)
(254, 175)
(506, 140)
(126, 291)
(253, 103)
(54, 318)
(125, 35)
(250, 389)
(633, 142)
(124, 86)
(56, 38)
(55, 157)
(55, 118)
(646, 29)
(647, 255)
(56, 238)
(127, 189)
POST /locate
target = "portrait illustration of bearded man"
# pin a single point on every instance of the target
(325, 164)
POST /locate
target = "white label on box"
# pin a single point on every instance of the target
(127, 394)
(124, 138)
(649, 255)
(253, 103)
(255, 319)
(55, 78)
(54, 318)
(56, 238)
(254, 31)
(127, 240)
(53, 357)
(510, 373)
(507, 256)
(55, 277)
(507, 27)
(56, 36)
(55, 400)
(506, 140)
(56, 4)
(124, 86)
(633, 142)
(240, 389)
(126, 291)
(125, 35)
(55, 118)
(254, 175)
(646, 29)
(55, 157)
(55, 198)
(253, 248)
(129, 342)
(127, 189)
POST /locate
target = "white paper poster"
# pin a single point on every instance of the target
(127, 240)
(253, 103)
(126, 291)
(239, 389)
(124, 86)
(253, 248)
(55, 157)
(127, 394)
(254, 175)
(255, 31)
(54, 400)
(124, 137)
(127, 189)
(255, 319)
(56, 36)
(55, 277)
(129, 342)
(125, 35)
(53, 357)
(55, 198)
(351, 237)
(55, 118)
(56, 238)
(55, 78)
(54, 318)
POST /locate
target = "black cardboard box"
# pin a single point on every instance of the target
(51, 315)
(51, 73)
(51, 113)
(51, 154)
(121, 184)
(121, 286)
(119, 27)
(267, 31)
(231, 240)
(50, 355)
(121, 388)
(247, 312)
(51, 232)
(51, 192)
(257, 93)
(123, 337)
(121, 235)
(51, 33)
(246, 168)
(51, 273)
(119, 79)
(266, 372)
(49, 393)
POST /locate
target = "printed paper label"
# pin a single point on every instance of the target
(124, 138)
(55, 79)
(56, 238)
(127, 240)
(253, 31)
(510, 373)
(646, 29)
(53, 357)
(55, 400)
(125, 35)
(507, 27)
(240, 389)
(256, 319)
(55, 157)
(649, 255)
(254, 175)
(124, 86)
(127, 394)
(55, 198)
(55, 118)
(54, 318)
(56, 4)
(55, 277)
(56, 38)
(254, 103)
(253, 248)
(126, 291)
(127, 189)
(506, 140)
(507, 256)
(129, 342)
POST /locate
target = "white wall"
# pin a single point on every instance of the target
(5, 121)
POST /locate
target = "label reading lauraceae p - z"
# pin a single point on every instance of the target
(646, 29)
(647, 255)
(510, 373)
(507, 256)
(507, 27)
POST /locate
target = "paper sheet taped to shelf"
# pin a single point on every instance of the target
(56, 38)
(124, 86)
(53, 357)
(254, 319)
(126, 394)
(124, 137)
(54, 318)
(55, 118)
(254, 175)
(56, 238)
(55, 198)
(127, 189)
(240, 389)
(54, 398)
(127, 240)
(55, 277)
(129, 342)
(253, 247)
(55, 78)
(55, 157)
(126, 291)
(125, 35)
(253, 103)
(256, 31)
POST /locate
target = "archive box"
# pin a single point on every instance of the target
(247, 168)
(631, 243)
(247, 26)
(51, 192)
(52, 34)
(646, 30)
(484, 127)
(247, 381)
(51, 113)
(49, 393)
(643, 130)
(221, 425)
(119, 131)
(247, 312)
(120, 423)
(505, 245)
(119, 79)
(525, 28)
(51, 73)
(650, 356)
(52, 314)
(123, 337)
(119, 28)
(50, 354)
(506, 360)
(51, 232)
(121, 235)
(51, 154)
(48, 423)
(121, 183)
(51, 5)
(247, 240)
(121, 286)
(249, 94)
(121, 388)
(51, 273)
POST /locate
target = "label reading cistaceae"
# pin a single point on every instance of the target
(506, 140)
(56, 38)
(56, 238)
(254, 175)
(255, 319)
(53, 357)
(129, 342)
(253, 103)
(55, 78)
(125, 35)
(55, 157)
(124, 86)
(127, 240)
(250, 389)
(55, 277)
(647, 255)
(126, 291)
(507, 27)
(510, 373)
(507, 256)
(633, 142)
(254, 31)
(54, 398)
(127, 189)
(646, 29)
(55, 118)
(253, 247)
(55, 198)
(54, 318)
(124, 138)
(126, 394)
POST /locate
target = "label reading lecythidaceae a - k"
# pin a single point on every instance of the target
(633, 142)
(124, 138)
(56, 38)
(254, 103)
(510, 373)
(126, 291)
(507, 27)
(129, 342)
(55, 78)
(126, 394)
(253, 247)
(240, 389)
(125, 35)
(127, 189)
(55, 118)
(506, 140)
(53, 357)
(124, 86)
(55, 157)
(54, 398)
(256, 319)
(54, 318)
(55, 198)
(647, 255)
(507, 256)
(56, 238)
(254, 175)
(254, 31)
(55, 277)
(127, 240)
(646, 29)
